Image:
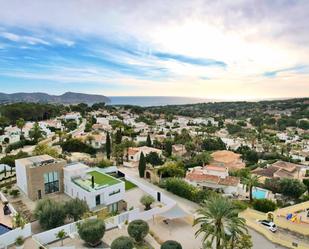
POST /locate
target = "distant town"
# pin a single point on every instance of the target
(232, 175)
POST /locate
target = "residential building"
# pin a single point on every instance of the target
(179, 149)
(131, 159)
(215, 177)
(227, 159)
(281, 169)
(98, 189)
(39, 176)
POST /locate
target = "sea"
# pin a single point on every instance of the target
(155, 100)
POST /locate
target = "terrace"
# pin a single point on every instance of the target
(100, 180)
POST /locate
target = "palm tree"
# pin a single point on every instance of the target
(20, 123)
(19, 221)
(251, 181)
(61, 235)
(218, 218)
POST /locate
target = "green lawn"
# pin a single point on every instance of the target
(102, 179)
(129, 185)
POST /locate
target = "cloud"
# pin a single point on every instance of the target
(296, 69)
(214, 46)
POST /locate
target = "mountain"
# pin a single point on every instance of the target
(66, 98)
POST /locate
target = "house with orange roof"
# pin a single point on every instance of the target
(227, 159)
(281, 169)
(215, 177)
(131, 158)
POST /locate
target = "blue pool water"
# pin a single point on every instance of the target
(4, 229)
(259, 193)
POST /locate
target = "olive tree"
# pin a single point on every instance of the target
(138, 229)
(171, 244)
(92, 231)
(122, 242)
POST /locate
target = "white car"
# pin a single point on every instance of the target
(269, 224)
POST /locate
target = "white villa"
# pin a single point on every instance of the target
(94, 186)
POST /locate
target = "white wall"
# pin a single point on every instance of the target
(50, 235)
(21, 177)
(10, 237)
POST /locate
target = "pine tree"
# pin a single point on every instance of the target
(148, 141)
(142, 165)
(108, 146)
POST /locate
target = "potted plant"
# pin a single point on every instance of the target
(19, 242)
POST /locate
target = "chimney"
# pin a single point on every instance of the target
(92, 181)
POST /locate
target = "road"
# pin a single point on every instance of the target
(259, 241)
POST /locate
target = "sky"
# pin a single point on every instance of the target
(234, 50)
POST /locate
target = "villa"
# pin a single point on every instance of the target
(281, 169)
(98, 189)
(134, 153)
(215, 177)
(227, 159)
(39, 176)
(179, 149)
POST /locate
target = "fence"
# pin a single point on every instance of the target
(50, 235)
(10, 237)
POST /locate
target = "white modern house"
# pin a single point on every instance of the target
(98, 189)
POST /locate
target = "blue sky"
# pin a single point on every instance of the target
(211, 49)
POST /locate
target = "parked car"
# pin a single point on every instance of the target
(269, 224)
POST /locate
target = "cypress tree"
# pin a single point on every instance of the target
(148, 141)
(108, 146)
(118, 137)
(142, 165)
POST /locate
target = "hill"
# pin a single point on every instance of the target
(66, 98)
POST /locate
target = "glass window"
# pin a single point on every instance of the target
(51, 182)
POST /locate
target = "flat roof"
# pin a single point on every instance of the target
(38, 160)
(101, 180)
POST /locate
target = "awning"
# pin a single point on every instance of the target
(174, 213)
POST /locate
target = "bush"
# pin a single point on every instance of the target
(75, 145)
(122, 242)
(92, 231)
(147, 200)
(75, 208)
(264, 205)
(49, 213)
(14, 192)
(183, 189)
(138, 229)
(105, 163)
(171, 244)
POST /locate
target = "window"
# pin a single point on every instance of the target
(113, 207)
(97, 200)
(51, 182)
(114, 192)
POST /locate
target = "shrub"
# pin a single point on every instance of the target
(75, 208)
(138, 229)
(264, 205)
(49, 213)
(122, 242)
(92, 231)
(183, 189)
(75, 145)
(171, 244)
(147, 200)
(14, 192)
(19, 241)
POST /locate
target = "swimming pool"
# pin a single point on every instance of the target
(4, 229)
(259, 193)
